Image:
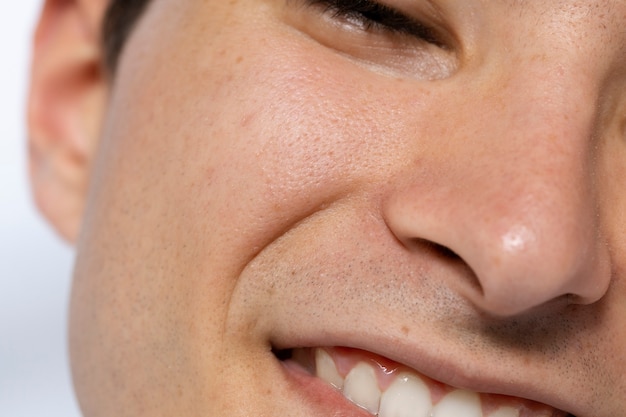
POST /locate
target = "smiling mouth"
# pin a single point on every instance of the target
(387, 389)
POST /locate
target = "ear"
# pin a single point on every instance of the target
(66, 106)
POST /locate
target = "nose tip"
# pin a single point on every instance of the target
(525, 256)
(527, 268)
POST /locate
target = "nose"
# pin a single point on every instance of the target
(510, 190)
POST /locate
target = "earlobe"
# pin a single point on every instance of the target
(66, 106)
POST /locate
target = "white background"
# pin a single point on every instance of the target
(35, 265)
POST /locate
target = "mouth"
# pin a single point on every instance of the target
(374, 385)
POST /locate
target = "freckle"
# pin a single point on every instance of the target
(246, 119)
(210, 174)
(277, 208)
(405, 330)
(239, 59)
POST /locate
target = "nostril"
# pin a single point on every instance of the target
(449, 257)
(447, 253)
(438, 250)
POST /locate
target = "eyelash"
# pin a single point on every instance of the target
(374, 16)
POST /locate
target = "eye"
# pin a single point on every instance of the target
(384, 38)
(372, 16)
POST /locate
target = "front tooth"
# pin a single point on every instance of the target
(361, 387)
(459, 403)
(407, 396)
(506, 412)
(326, 369)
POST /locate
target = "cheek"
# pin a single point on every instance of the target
(208, 159)
(276, 139)
(305, 127)
(272, 129)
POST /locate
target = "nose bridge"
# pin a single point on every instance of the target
(532, 154)
(516, 201)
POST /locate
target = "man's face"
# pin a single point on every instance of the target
(425, 196)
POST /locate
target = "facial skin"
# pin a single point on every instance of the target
(264, 174)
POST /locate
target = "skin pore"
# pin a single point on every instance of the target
(439, 185)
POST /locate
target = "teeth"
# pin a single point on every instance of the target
(407, 396)
(361, 387)
(459, 403)
(326, 369)
(505, 412)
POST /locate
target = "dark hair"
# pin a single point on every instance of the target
(121, 16)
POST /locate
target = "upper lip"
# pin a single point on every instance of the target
(305, 357)
(454, 373)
